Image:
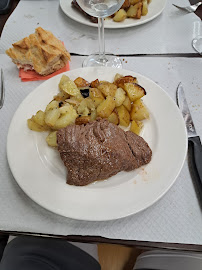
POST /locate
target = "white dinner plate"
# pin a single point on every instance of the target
(154, 9)
(41, 174)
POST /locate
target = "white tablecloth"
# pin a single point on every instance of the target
(176, 218)
(171, 32)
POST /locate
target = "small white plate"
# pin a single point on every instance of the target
(154, 9)
(40, 172)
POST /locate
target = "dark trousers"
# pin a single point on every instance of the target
(34, 253)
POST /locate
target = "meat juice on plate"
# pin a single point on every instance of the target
(100, 8)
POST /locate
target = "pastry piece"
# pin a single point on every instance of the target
(41, 52)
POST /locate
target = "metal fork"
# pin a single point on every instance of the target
(2, 90)
(191, 8)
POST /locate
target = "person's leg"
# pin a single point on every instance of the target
(168, 260)
(3, 242)
(36, 253)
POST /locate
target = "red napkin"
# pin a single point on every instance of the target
(31, 75)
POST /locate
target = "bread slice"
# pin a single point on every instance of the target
(41, 51)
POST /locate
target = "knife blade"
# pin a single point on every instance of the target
(194, 141)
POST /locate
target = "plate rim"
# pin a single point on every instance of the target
(118, 26)
(97, 218)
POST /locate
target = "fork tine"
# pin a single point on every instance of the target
(2, 90)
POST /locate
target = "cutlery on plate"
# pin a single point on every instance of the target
(2, 90)
(193, 140)
(191, 8)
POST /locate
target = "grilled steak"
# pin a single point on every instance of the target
(76, 5)
(98, 150)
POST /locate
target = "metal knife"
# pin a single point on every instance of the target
(194, 141)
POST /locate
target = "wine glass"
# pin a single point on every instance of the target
(101, 9)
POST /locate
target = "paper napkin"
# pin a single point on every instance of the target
(31, 75)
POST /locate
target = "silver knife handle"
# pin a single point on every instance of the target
(196, 160)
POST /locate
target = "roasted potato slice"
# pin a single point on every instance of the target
(124, 116)
(69, 87)
(67, 117)
(61, 96)
(51, 139)
(144, 7)
(117, 76)
(139, 10)
(126, 4)
(95, 83)
(96, 96)
(120, 15)
(136, 126)
(106, 107)
(35, 126)
(54, 104)
(133, 2)
(139, 111)
(107, 89)
(93, 115)
(63, 81)
(126, 79)
(39, 118)
(51, 116)
(80, 82)
(82, 120)
(85, 107)
(73, 101)
(132, 11)
(127, 103)
(134, 91)
(113, 118)
(119, 97)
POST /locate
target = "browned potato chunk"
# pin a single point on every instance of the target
(35, 126)
(95, 83)
(113, 118)
(120, 15)
(135, 11)
(144, 8)
(67, 117)
(51, 116)
(93, 115)
(133, 2)
(126, 4)
(127, 103)
(139, 111)
(132, 11)
(139, 10)
(52, 105)
(61, 96)
(126, 79)
(117, 76)
(106, 107)
(80, 82)
(39, 118)
(96, 96)
(107, 88)
(82, 120)
(136, 127)
(51, 139)
(120, 96)
(124, 116)
(134, 91)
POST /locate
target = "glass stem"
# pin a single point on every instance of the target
(101, 39)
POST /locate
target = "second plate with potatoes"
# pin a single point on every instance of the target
(155, 8)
